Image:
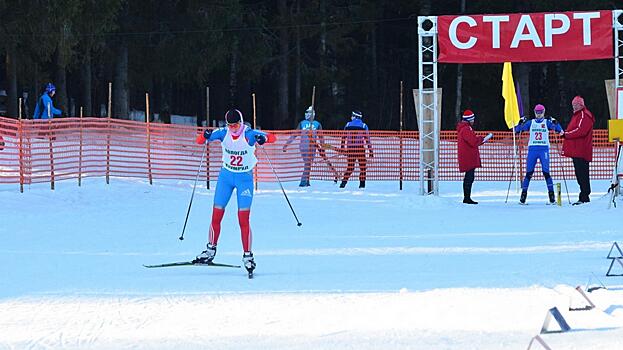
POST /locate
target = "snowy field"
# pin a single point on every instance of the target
(372, 269)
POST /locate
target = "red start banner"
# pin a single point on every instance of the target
(533, 37)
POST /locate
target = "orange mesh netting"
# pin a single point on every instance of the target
(37, 151)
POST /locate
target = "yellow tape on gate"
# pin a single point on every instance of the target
(615, 130)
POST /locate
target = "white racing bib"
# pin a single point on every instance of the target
(539, 134)
(238, 156)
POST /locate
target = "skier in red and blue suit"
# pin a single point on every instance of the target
(238, 142)
(538, 149)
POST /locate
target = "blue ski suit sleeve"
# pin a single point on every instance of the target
(556, 127)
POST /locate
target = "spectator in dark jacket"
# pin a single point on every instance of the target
(469, 156)
(578, 145)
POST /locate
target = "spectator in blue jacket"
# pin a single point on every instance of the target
(538, 149)
(354, 144)
(44, 108)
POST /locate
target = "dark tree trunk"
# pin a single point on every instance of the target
(233, 73)
(11, 74)
(121, 100)
(61, 82)
(298, 79)
(283, 91)
(87, 101)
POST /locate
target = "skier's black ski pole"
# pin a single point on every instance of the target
(564, 179)
(190, 204)
(298, 223)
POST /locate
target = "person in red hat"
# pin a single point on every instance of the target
(578, 145)
(469, 156)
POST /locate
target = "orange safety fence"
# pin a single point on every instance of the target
(41, 151)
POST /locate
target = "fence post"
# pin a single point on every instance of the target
(20, 149)
(51, 153)
(80, 150)
(149, 175)
(401, 162)
(108, 133)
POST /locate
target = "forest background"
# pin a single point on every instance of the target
(355, 53)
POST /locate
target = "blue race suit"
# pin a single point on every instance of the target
(228, 180)
(45, 109)
(538, 149)
(307, 146)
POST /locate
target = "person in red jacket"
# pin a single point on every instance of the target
(469, 156)
(578, 145)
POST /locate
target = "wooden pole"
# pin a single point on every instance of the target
(80, 149)
(51, 153)
(147, 114)
(254, 126)
(20, 148)
(108, 116)
(207, 155)
(401, 165)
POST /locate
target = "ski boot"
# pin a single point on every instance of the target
(522, 198)
(362, 184)
(469, 201)
(249, 263)
(552, 198)
(343, 184)
(207, 255)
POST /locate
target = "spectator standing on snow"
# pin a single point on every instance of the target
(468, 154)
(354, 145)
(238, 142)
(538, 149)
(578, 145)
(44, 108)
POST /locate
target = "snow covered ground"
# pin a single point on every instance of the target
(372, 269)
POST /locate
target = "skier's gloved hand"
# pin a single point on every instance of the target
(562, 133)
(522, 120)
(487, 137)
(203, 137)
(260, 139)
(554, 121)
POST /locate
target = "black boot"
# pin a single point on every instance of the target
(343, 184)
(467, 193)
(362, 184)
(522, 199)
(552, 198)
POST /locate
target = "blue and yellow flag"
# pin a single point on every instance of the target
(511, 107)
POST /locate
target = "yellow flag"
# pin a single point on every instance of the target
(511, 108)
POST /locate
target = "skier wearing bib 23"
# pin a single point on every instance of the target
(538, 149)
(238, 142)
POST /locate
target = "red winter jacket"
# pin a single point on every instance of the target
(578, 141)
(468, 142)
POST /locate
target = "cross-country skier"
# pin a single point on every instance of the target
(538, 149)
(309, 144)
(354, 144)
(238, 142)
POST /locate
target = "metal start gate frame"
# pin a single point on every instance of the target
(428, 109)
